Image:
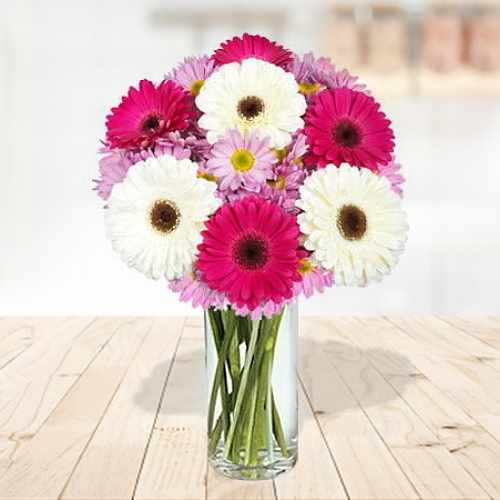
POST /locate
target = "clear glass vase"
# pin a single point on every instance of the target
(252, 393)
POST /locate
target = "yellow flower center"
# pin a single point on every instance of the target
(307, 88)
(195, 87)
(206, 176)
(242, 160)
(305, 266)
(279, 183)
(280, 154)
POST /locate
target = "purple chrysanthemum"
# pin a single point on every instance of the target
(314, 279)
(392, 173)
(192, 73)
(314, 75)
(297, 149)
(284, 189)
(241, 160)
(288, 176)
(192, 289)
(337, 79)
(114, 166)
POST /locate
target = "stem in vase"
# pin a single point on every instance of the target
(242, 388)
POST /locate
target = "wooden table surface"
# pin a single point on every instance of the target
(113, 408)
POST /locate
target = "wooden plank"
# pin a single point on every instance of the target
(460, 387)
(444, 339)
(416, 449)
(9, 325)
(483, 328)
(221, 488)
(175, 463)
(315, 477)
(367, 467)
(112, 459)
(476, 450)
(44, 464)
(477, 368)
(33, 383)
(16, 336)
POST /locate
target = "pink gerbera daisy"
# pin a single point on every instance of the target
(345, 125)
(392, 172)
(241, 160)
(314, 279)
(192, 73)
(250, 252)
(147, 114)
(255, 46)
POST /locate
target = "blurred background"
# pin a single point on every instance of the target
(63, 63)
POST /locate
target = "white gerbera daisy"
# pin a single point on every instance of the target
(251, 95)
(353, 223)
(155, 216)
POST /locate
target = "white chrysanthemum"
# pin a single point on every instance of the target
(155, 216)
(251, 95)
(353, 223)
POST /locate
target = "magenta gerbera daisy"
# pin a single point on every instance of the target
(255, 46)
(149, 113)
(250, 252)
(241, 159)
(192, 73)
(344, 125)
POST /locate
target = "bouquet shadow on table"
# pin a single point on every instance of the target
(338, 377)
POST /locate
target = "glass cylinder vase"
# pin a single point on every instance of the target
(252, 393)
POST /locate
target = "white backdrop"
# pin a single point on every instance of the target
(63, 64)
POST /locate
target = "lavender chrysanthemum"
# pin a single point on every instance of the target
(284, 189)
(288, 176)
(314, 75)
(314, 279)
(192, 289)
(241, 160)
(392, 172)
(114, 166)
(192, 73)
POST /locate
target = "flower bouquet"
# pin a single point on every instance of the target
(246, 179)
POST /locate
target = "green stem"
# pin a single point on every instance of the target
(230, 323)
(242, 388)
(216, 434)
(220, 375)
(261, 428)
(278, 429)
(250, 441)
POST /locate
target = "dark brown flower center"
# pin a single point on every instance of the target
(250, 107)
(251, 252)
(151, 123)
(164, 216)
(351, 222)
(347, 134)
